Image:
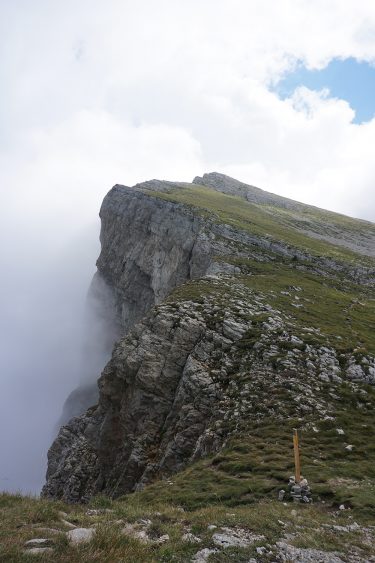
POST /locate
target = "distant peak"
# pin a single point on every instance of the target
(217, 180)
(231, 186)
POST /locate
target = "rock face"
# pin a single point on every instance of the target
(152, 410)
(201, 351)
(149, 246)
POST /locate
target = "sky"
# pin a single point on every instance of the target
(348, 79)
(277, 94)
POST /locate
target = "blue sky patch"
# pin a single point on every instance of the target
(347, 79)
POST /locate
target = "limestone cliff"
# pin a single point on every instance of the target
(229, 315)
(149, 246)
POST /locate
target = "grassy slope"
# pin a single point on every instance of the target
(238, 486)
(323, 222)
(262, 220)
(311, 526)
(343, 311)
(336, 306)
(257, 463)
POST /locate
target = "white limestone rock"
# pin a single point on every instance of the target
(235, 537)
(38, 551)
(80, 535)
(203, 555)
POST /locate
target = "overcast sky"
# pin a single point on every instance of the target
(95, 93)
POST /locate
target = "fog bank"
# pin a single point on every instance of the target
(42, 327)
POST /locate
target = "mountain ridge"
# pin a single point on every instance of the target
(221, 307)
(356, 234)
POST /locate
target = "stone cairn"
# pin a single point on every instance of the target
(296, 491)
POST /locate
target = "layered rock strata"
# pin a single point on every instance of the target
(200, 354)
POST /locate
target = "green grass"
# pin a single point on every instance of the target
(258, 220)
(256, 464)
(337, 308)
(237, 487)
(322, 220)
(258, 459)
(344, 312)
(311, 526)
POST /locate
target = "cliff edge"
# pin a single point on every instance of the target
(233, 316)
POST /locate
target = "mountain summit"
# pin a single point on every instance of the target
(241, 315)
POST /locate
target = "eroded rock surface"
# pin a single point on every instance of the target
(185, 378)
(149, 246)
(200, 352)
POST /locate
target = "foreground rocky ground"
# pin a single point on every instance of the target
(133, 529)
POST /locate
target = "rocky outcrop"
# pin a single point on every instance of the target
(161, 396)
(149, 246)
(230, 186)
(354, 234)
(187, 377)
(78, 401)
(141, 392)
(200, 353)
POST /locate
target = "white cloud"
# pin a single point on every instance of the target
(198, 69)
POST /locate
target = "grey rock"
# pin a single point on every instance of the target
(152, 372)
(203, 555)
(38, 551)
(78, 401)
(80, 535)
(167, 396)
(235, 537)
(293, 554)
(135, 531)
(139, 531)
(38, 542)
(191, 538)
(162, 539)
(98, 511)
(149, 246)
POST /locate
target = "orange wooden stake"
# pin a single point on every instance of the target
(297, 463)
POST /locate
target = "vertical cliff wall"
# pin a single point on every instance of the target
(148, 247)
(222, 325)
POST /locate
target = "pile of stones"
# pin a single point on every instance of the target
(296, 491)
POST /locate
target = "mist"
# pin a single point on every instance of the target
(42, 330)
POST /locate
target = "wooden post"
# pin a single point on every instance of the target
(296, 457)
